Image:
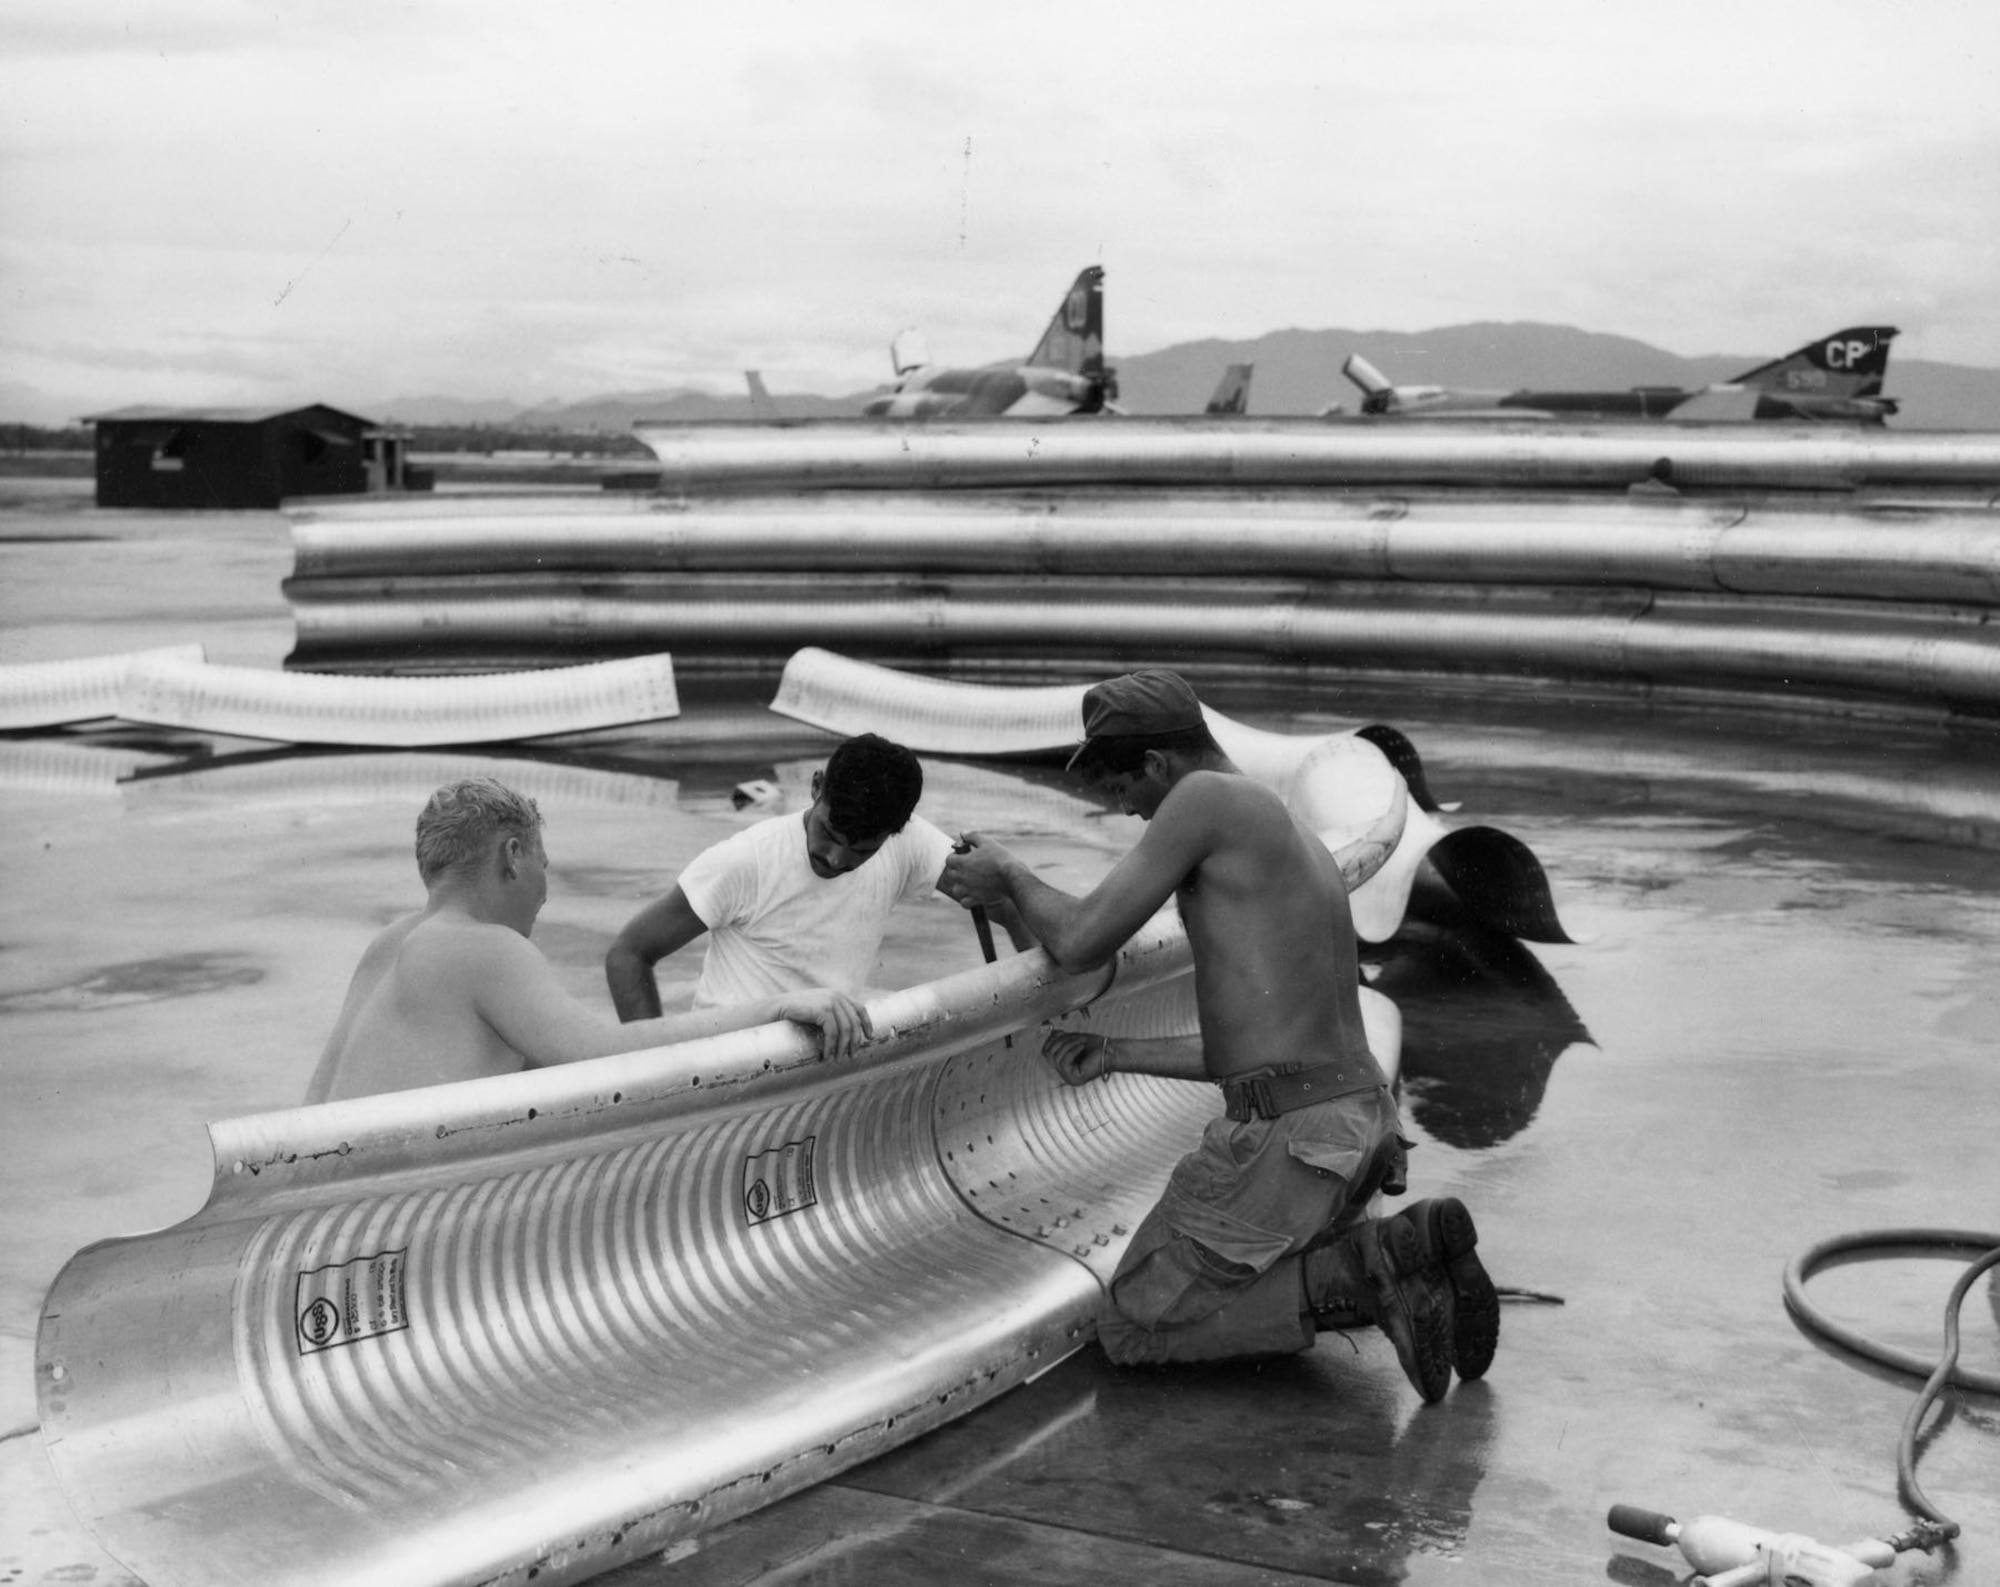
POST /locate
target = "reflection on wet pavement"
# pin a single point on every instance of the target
(1483, 1026)
(141, 981)
(1307, 1468)
(1778, 1025)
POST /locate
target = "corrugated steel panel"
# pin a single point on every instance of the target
(310, 708)
(531, 1327)
(83, 689)
(1274, 452)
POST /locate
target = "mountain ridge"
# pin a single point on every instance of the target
(1298, 373)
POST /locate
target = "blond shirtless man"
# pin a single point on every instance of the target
(1261, 1237)
(456, 991)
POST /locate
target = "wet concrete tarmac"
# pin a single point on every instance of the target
(1778, 1028)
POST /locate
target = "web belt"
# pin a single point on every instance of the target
(1268, 1093)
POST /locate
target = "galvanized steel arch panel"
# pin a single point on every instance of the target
(1946, 655)
(733, 615)
(1277, 452)
(1241, 532)
(1647, 545)
(530, 1327)
(1340, 784)
(298, 707)
(1561, 585)
(1881, 556)
(1771, 547)
(1562, 631)
(51, 693)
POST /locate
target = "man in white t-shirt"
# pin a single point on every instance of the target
(457, 991)
(797, 901)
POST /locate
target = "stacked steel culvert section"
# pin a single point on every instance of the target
(1825, 562)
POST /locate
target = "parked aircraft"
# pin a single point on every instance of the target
(763, 406)
(1064, 374)
(1232, 393)
(1836, 377)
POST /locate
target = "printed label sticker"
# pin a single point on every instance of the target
(349, 1301)
(779, 1181)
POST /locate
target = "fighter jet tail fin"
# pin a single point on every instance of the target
(1849, 363)
(761, 404)
(1075, 338)
(1232, 392)
(1365, 375)
(908, 350)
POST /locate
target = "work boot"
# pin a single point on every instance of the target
(1411, 1299)
(1337, 1295)
(1449, 1239)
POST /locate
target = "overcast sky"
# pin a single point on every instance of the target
(212, 201)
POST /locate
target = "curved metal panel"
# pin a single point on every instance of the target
(531, 1327)
(1867, 598)
(1771, 547)
(1270, 452)
(1556, 635)
(1341, 785)
(1655, 546)
(941, 716)
(308, 708)
(357, 1359)
(1945, 655)
(1611, 634)
(1879, 557)
(50, 693)
(933, 716)
(715, 615)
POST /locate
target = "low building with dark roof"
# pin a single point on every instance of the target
(240, 457)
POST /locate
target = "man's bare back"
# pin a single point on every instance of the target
(1267, 918)
(1262, 1235)
(1264, 906)
(429, 1004)
(458, 992)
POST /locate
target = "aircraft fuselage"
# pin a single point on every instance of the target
(1640, 403)
(1837, 378)
(996, 391)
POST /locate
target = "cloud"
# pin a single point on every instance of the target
(547, 197)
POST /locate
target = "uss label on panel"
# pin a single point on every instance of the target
(779, 1181)
(349, 1301)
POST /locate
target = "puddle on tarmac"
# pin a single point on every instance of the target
(1483, 1025)
(138, 981)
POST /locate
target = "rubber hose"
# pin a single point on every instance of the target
(1936, 1373)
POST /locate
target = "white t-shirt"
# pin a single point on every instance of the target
(773, 926)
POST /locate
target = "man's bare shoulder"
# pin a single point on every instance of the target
(1218, 795)
(447, 940)
(388, 942)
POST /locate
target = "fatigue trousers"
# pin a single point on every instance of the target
(1214, 1270)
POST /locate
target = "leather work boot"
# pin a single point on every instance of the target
(1401, 1286)
(1449, 1239)
(1338, 1295)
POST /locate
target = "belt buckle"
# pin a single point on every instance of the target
(1249, 1097)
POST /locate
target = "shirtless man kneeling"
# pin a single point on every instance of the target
(457, 991)
(1261, 1237)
